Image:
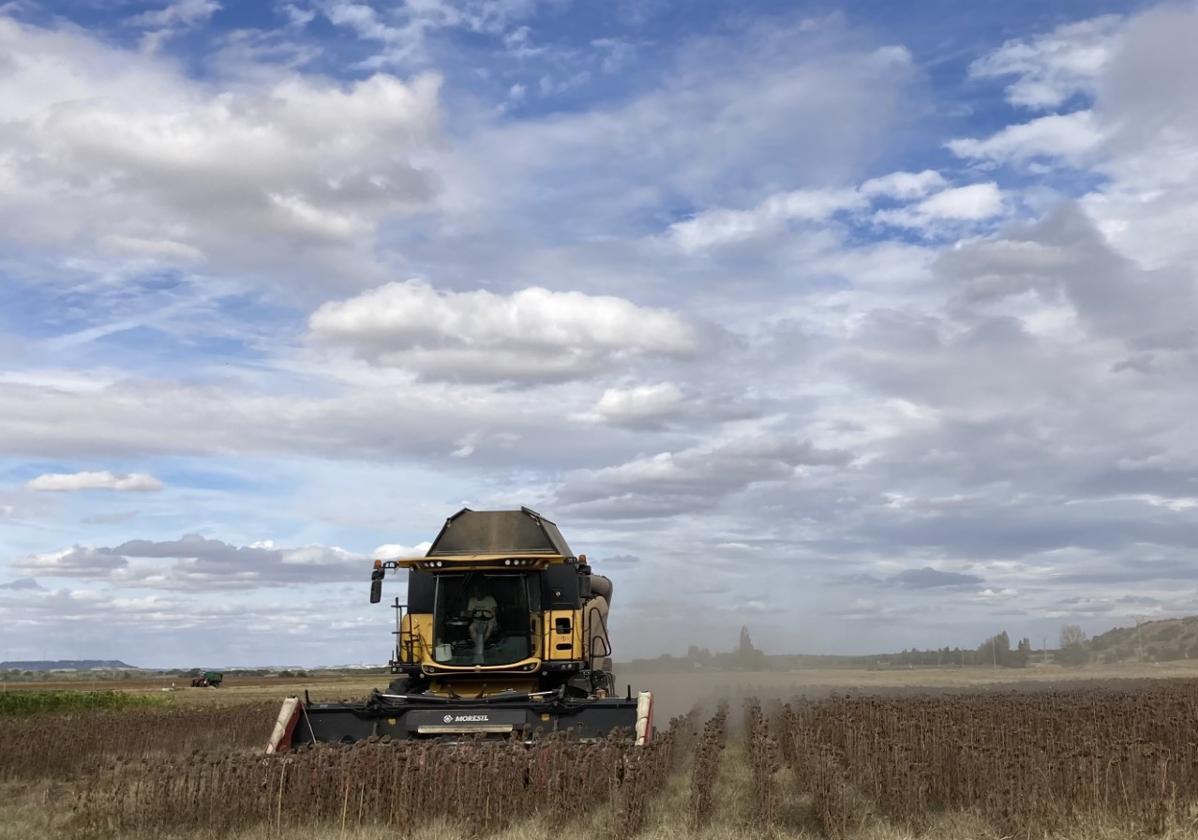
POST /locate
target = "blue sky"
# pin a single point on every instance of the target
(870, 325)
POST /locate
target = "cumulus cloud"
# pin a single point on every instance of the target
(639, 405)
(530, 335)
(1070, 137)
(394, 551)
(904, 185)
(109, 150)
(779, 212)
(104, 480)
(973, 203)
(720, 227)
(1052, 67)
(1065, 258)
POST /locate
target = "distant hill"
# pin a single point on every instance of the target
(1152, 641)
(66, 665)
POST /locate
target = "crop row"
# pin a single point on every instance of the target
(64, 745)
(1028, 763)
(481, 785)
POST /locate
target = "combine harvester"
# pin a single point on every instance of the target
(504, 634)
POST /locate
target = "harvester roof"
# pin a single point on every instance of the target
(520, 532)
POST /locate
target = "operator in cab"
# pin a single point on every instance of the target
(482, 610)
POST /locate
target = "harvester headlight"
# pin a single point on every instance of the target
(507, 562)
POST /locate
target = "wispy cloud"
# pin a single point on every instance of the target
(102, 480)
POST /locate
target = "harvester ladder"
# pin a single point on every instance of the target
(405, 640)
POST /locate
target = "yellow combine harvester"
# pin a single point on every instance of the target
(504, 633)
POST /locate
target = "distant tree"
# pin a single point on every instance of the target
(747, 656)
(996, 650)
(746, 642)
(1021, 655)
(1071, 635)
(699, 657)
(1073, 646)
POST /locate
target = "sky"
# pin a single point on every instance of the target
(868, 327)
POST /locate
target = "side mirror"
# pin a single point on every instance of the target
(376, 586)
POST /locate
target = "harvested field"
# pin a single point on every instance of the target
(1054, 762)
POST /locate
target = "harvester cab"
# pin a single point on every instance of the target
(504, 632)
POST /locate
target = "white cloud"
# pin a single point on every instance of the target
(721, 227)
(1149, 205)
(107, 149)
(65, 482)
(973, 203)
(1071, 137)
(904, 185)
(1051, 68)
(394, 551)
(639, 405)
(532, 334)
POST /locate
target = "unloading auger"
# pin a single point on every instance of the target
(504, 634)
